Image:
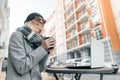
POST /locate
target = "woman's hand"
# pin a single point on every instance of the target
(49, 43)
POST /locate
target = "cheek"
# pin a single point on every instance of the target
(40, 26)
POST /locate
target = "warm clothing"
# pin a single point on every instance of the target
(31, 16)
(33, 38)
(24, 62)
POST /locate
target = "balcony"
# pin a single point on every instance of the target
(84, 31)
(79, 47)
(70, 26)
(69, 13)
(69, 7)
(83, 17)
(81, 5)
(73, 43)
(70, 22)
(70, 16)
(71, 37)
(71, 33)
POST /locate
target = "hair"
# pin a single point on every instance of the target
(29, 25)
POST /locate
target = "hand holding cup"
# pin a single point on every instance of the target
(48, 43)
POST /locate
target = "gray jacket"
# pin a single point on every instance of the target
(24, 63)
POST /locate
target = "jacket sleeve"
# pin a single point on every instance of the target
(20, 61)
(42, 63)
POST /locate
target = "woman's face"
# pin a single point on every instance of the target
(38, 24)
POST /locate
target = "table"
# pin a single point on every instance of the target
(79, 72)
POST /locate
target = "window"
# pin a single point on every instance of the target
(73, 31)
(71, 45)
(74, 42)
(96, 19)
(83, 11)
(83, 39)
(98, 33)
(88, 37)
(93, 6)
(85, 24)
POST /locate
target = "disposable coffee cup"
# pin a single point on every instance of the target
(48, 38)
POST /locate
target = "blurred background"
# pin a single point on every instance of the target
(72, 22)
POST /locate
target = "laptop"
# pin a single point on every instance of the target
(96, 56)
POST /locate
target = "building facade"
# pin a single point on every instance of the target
(4, 29)
(82, 20)
(50, 31)
(91, 18)
(55, 28)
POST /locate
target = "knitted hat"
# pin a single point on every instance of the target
(31, 16)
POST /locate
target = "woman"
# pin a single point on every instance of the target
(28, 50)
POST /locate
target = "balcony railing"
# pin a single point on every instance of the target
(69, 15)
(79, 47)
(71, 37)
(83, 17)
(85, 30)
(81, 5)
(70, 5)
(70, 22)
(70, 26)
